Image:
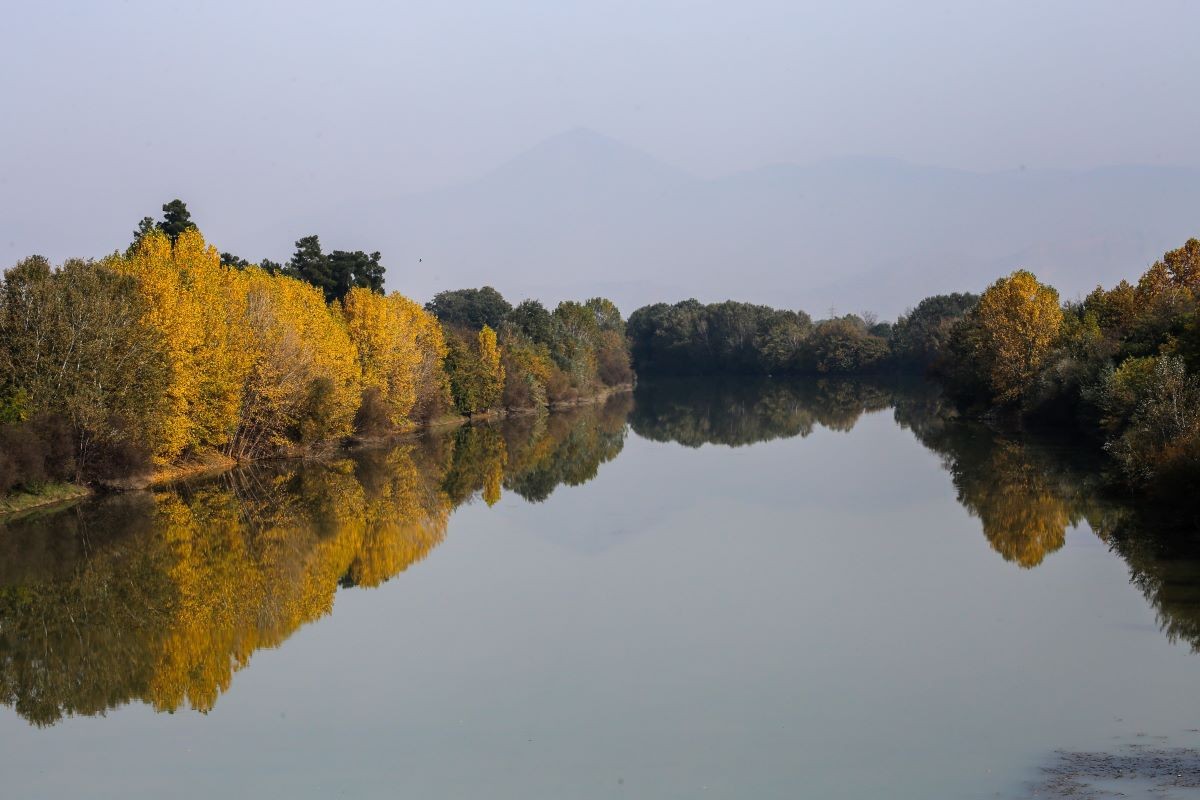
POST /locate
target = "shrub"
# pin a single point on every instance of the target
(373, 415)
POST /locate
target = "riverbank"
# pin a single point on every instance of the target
(215, 463)
(50, 495)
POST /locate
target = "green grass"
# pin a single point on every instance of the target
(49, 494)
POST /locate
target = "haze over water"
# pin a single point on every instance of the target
(768, 589)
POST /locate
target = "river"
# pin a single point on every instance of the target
(762, 589)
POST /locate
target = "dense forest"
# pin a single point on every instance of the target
(171, 352)
(1121, 365)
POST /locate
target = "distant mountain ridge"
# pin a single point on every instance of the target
(582, 214)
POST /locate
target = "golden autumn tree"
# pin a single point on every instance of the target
(1183, 264)
(1018, 320)
(304, 382)
(492, 371)
(395, 338)
(433, 384)
(198, 308)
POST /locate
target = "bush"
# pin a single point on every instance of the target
(1162, 401)
(121, 456)
(26, 457)
(612, 360)
(315, 423)
(559, 388)
(35, 453)
(58, 443)
(372, 417)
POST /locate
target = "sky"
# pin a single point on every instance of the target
(111, 108)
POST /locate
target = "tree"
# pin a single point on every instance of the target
(233, 262)
(920, 338)
(310, 265)
(176, 219)
(338, 272)
(533, 320)
(475, 370)
(1019, 319)
(470, 308)
(843, 345)
(1184, 265)
(356, 269)
(144, 227)
(198, 308)
(305, 378)
(75, 344)
(492, 372)
(389, 333)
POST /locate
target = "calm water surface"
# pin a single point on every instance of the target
(827, 590)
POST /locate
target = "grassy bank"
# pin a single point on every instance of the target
(48, 495)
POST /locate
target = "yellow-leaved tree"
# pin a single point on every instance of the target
(304, 383)
(1019, 319)
(199, 309)
(491, 370)
(392, 335)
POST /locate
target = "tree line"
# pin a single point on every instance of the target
(1121, 365)
(172, 351)
(692, 338)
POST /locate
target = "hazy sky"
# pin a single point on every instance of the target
(111, 108)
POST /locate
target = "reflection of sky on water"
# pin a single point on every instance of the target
(815, 615)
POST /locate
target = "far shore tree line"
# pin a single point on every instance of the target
(1122, 365)
(172, 352)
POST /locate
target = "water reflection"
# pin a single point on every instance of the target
(161, 597)
(696, 411)
(1026, 490)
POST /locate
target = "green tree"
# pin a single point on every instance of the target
(233, 262)
(921, 337)
(473, 365)
(470, 308)
(311, 265)
(335, 273)
(73, 343)
(176, 219)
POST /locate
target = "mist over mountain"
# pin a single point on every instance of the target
(582, 214)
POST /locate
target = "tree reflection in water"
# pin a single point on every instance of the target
(1026, 490)
(162, 596)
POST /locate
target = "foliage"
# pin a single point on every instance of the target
(689, 338)
(197, 308)
(843, 346)
(1009, 333)
(76, 344)
(921, 337)
(304, 365)
(162, 597)
(173, 350)
(389, 333)
(475, 372)
(336, 273)
(1159, 402)
(470, 308)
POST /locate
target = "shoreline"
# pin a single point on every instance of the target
(215, 463)
(54, 494)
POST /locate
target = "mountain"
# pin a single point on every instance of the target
(582, 214)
